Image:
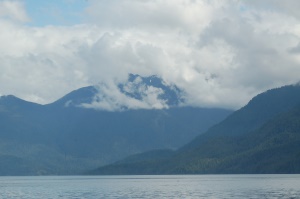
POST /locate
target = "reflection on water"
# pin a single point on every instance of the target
(183, 186)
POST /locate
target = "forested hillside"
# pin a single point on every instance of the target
(65, 137)
(262, 137)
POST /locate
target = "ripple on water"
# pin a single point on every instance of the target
(189, 186)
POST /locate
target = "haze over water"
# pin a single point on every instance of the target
(177, 186)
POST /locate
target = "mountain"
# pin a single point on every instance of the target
(76, 98)
(136, 87)
(171, 93)
(262, 137)
(65, 138)
(259, 110)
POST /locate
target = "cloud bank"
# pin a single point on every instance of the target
(221, 53)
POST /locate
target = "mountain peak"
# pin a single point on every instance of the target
(77, 97)
(138, 87)
(137, 92)
(11, 101)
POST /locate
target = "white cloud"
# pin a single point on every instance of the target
(13, 10)
(287, 7)
(182, 15)
(111, 98)
(221, 53)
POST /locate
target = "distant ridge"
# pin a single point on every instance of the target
(77, 97)
(262, 137)
(65, 138)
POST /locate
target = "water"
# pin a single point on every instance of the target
(177, 186)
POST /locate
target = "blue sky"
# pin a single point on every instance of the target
(55, 12)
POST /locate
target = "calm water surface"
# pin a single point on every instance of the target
(178, 186)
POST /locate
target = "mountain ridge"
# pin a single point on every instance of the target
(50, 139)
(271, 147)
(256, 112)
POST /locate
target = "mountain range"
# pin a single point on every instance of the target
(261, 137)
(68, 137)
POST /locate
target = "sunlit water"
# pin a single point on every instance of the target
(183, 186)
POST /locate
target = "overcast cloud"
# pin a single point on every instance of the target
(220, 52)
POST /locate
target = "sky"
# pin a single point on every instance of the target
(221, 53)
